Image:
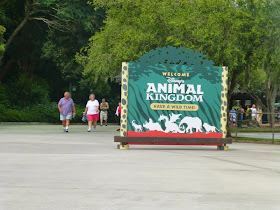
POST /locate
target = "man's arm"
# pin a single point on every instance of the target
(107, 106)
(74, 110)
(59, 108)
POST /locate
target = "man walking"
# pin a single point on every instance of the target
(65, 106)
(104, 106)
(254, 112)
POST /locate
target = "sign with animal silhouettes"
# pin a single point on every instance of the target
(173, 92)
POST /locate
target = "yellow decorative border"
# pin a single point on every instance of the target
(224, 94)
(124, 95)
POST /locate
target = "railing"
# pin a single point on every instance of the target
(256, 126)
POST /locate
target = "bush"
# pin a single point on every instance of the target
(45, 113)
(38, 113)
(28, 90)
(4, 98)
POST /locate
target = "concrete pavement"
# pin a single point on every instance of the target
(258, 135)
(43, 168)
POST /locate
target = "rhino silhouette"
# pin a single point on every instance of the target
(152, 126)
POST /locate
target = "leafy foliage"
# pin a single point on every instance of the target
(2, 45)
(219, 29)
(39, 41)
(47, 112)
(4, 97)
(61, 46)
(26, 91)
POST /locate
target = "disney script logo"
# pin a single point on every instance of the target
(173, 80)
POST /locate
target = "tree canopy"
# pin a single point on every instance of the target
(223, 30)
(83, 43)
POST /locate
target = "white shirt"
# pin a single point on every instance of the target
(254, 111)
(117, 111)
(92, 107)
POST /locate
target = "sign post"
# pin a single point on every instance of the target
(173, 96)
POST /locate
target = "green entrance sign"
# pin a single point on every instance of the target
(173, 92)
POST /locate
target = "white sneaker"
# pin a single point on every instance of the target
(93, 130)
(88, 130)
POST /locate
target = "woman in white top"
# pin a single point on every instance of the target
(92, 112)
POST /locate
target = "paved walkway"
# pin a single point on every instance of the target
(43, 168)
(258, 135)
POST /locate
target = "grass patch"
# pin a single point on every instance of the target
(255, 130)
(257, 139)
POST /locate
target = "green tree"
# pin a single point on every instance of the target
(266, 55)
(220, 29)
(28, 91)
(66, 17)
(61, 46)
(223, 30)
(2, 45)
(19, 13)
(43, 37)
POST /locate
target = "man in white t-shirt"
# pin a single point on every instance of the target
(92, 112)
(254, 112)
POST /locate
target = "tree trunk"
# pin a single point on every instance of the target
(21, 25)
(15, 32)
(271, 91)
(230, 91)
(257, 99)
(4, 70)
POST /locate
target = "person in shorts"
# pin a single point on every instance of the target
(92, 112)
(104, 106)
(65, 106)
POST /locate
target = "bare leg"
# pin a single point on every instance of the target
(101, 121)
(67, 123)
(106, 122)
(64, 123)
(94, 124)
(89, 124)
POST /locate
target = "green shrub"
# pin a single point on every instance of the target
(38, 113)
(44, 113)
(28, 90)
(4, 98)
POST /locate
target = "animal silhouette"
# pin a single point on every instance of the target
(152, 126)
(137, 128)
(209, 128)
(171, 127)
(174, 117)
(192, 123)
